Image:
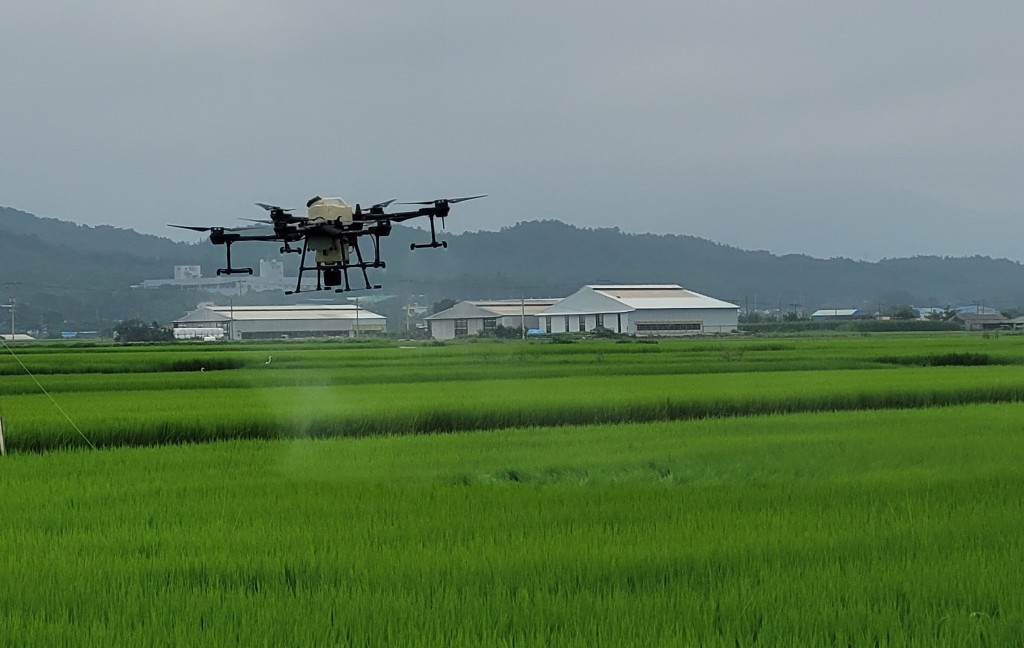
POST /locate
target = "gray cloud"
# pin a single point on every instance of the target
(866, 130)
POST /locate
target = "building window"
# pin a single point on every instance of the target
(566, 323)
(583, 322)
(600, 320)
(547, 324)
(667, 327)
(461, 326)
(490, 323)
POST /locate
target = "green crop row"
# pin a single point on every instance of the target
(881, 528)
(298, 365)
(670, 356)
(105, 418)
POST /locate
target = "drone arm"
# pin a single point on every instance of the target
(431, 212)
(219, 237)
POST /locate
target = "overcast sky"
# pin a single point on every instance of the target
(863, 129)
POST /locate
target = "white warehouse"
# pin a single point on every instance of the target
(475, 317)
(641, 310)
(271, 322)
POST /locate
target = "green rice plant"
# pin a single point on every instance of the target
(333, 408)
(893, 528)
(945, 360)
(669, 356)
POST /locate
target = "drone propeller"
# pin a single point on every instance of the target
(292, 219)
(458, 200)
(274, 208)
(450, 201)
(219, 229)
(192, 227)
(374, 210)
(279, 215)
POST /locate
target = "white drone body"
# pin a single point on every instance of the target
(334, 210)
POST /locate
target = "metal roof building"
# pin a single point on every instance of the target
(982, 321)
(642, 310)
(17, 337)
(474, 317)
(292, 321)
(838, 314)
(271, 277)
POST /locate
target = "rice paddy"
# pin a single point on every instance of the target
(819, 491)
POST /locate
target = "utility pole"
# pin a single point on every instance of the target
(11, 306)
(356, 331)
(522, 320)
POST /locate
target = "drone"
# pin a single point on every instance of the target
(332, 230)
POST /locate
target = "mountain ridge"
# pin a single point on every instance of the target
(83, 274)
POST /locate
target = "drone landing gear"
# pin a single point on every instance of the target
(302, 269)
(328, 276)
(338, 274)
(362, 265)
(434, 243)
(229, 270)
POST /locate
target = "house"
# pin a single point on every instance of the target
(642, 310)
(475, 317)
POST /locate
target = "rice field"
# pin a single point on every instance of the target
(110, 396)
(818, 492)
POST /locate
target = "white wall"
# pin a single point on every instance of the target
(516, 321)
(442, 329)
(713, 320)
(242, 329)
(611, 322)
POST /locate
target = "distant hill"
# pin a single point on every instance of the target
(75, 276)
(550, 258)
(69, 276)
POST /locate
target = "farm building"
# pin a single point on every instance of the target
(271, 277)
(266, 322)
(982, 321)
(474, 317)
(16, 337)
(642, 310)
(827, 314)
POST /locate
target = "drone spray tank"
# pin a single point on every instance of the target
(329, 250)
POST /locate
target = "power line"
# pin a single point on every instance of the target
(43, 389)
